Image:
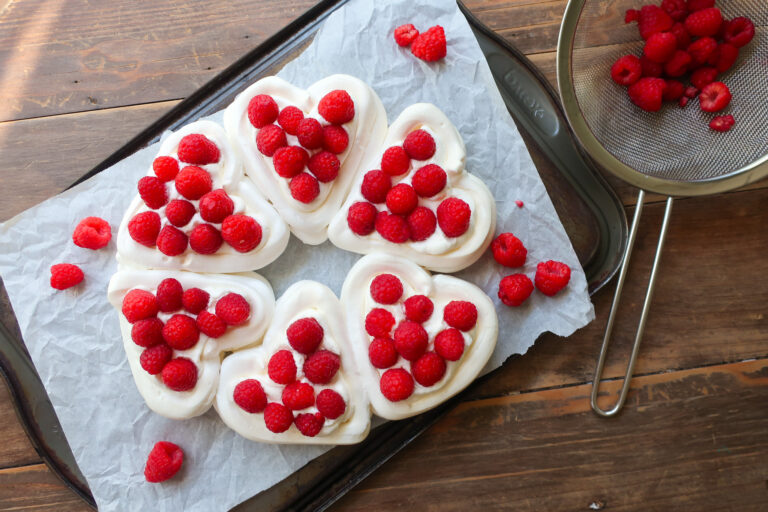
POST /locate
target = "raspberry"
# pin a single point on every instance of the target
(144, 228)
(418, 308)
(166, 167)
(193, 182)
(171, 241)
(321, 367)
(626, 70)
(250, 396)
(361, 218)
(289, 119)
(405, 34)
(647, 93)
(411, 340)
(310, 133)
(92, 233)
(702, 77)
(330, 404)
(673, 91)
(653, 19)
(392, 228)
(682, 35)
(262, 110)
(395, 161)
(179, 374)
(138, 305)
(195, 300)
(153, 359)
(449, 344)
(181, 332)
(722, 123)
(430, 46)
(676, 9)
(678, 64)
(386, 289)
(714, 97)
(660, 47)
(396, 384)
(215, 206)
(298, 396)
(739, 31)
(701, 50)
(152, 192)
(337, 107)
(683, 101)
(325, 166)
(429, 180)
(509, 251)
(375, 186)
(519, 203)
(705, 22)
(726, 56)
(697, 5)
(460, 314)
(304, 188)
(551, 277)
(421, 223)
(163, 462)
(211, 325)
(179, 212)
(691, 92)
(402, 199)
(379, 323)
(428, 369)
(305, 335)
(198, 149)
(277, 417)
(650, 68)
(631, 15)
(382, 353)
(453, 216)
(335, 139)
(290, 161)
(169, 293)
(148, 332)
(515, 289)
(281, 367)
(65, 275)
(233, 309)
(270, 139)
(205, 239)
(309, 424)
(419, 145)
(241, 232)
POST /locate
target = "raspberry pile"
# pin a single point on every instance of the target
(683, 38)
(188, 314)
(304, 150)
(400, 197)
(305, 402)
(429, 46)
(193, 193)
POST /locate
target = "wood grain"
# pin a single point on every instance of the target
(16, 449)
(35, 488)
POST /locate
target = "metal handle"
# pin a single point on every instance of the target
(615, 306)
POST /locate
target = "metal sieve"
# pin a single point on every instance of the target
(671, 152)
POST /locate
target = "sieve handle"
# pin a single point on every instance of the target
(615, 306)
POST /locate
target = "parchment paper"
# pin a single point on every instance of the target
(74, 338)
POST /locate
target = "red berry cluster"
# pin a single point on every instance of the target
(683, 37)
(180, 331)
(402, 218)
(319, 366)
(429, 46)
(318, 143)
(217, 210)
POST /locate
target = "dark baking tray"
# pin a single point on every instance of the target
(591, 212)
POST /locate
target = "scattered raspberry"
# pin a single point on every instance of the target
(714, 97)
(430, 46)
(305, 335)
(428, 369)
(144, 228)
(519, 203)
(304, 188)
(309, 424)
(211, 325)
(418, 308)
(169, 293)
(250, 396)
(193, 182)
(726, 56)
(421, 223)
(92, 233)
(179, 374)
(298, 396)
(310, 133)
(138, 305)
(739, 31)
(678, 64)
(515, 289)
(163, 462)
(197, 149)
(660, 47)
(650, 68)
(148, 332)
(233, 309)
(395, 161)
(282, 367)
(653, 19)
(449, 344)
(337, 107)
(676, 9)
(382, 353)
(171, 241)
(702, 77)
(682, 35)
(405, 34)
(153, 359)
(325, 166)
(330, 404)
(241, 232)
(180, 332)
(215, 206)
(205, 239)
(429, 180)
(705, 22)
(460, 314)
(647, 93)
(701, 50)
(277, 417)
(722, 123)
(335, 139)
(697, 5)
(396, 384)
(361, 218)
(453, 216)
(165, 167)
(195, 300)
(509, 251)
(262, 110)
(627, 70)
(289, 119)
(65, 275)
(411, 340)
(321, 367)
(392, 228)
(402, 199)
(179, 212)
(270, 139)
(673, 91)
(551, 277)
(375, 186)
(379, 323)
(386, 289)
(419, 145)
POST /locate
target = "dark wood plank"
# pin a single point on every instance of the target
(16, 449)
(36, 488)
(686, 441)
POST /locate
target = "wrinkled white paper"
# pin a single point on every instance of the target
(74, 338)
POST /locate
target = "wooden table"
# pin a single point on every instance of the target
(78, 78)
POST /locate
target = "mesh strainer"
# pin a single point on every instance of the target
(671, 152)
